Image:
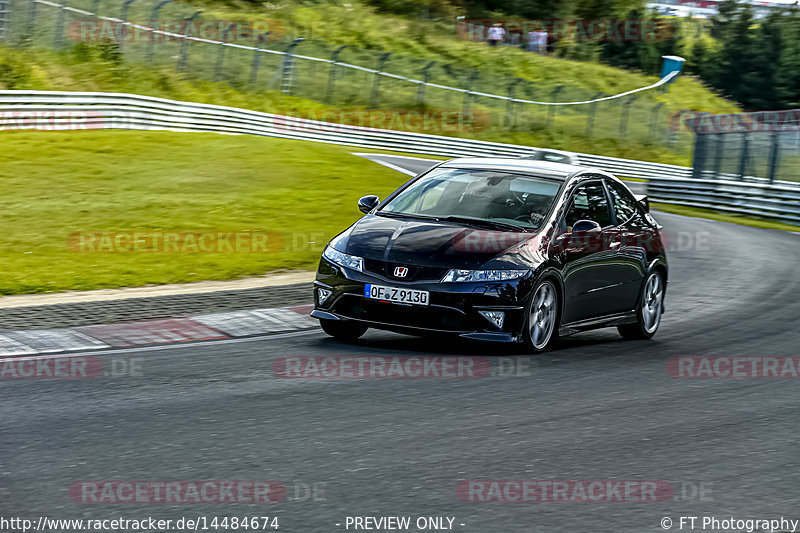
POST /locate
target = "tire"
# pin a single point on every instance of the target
(343, 330)
(649, 309)
(540, 329)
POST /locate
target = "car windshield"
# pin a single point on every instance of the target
(519, 201)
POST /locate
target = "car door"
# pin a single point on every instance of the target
(634, 242)
(589, 269)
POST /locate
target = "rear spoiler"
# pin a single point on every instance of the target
(644, 201)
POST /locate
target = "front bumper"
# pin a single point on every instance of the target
(453, 307)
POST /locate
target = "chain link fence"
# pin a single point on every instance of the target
(749, 156)
(261, 55)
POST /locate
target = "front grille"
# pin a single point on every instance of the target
(416, 316)
(415, 273)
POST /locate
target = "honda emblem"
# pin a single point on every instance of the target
(400, 272)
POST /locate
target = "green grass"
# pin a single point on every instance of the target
(723, 217)
(56, 184)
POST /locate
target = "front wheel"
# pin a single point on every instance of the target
(648, 312)
(343, 330)
(541, 323)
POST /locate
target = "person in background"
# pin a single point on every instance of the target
(496, 34)
(537, 41)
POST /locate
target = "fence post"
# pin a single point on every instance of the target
(551, 109)
(257, 58)
(654, 118)
(58, 36)
(512, 92)
(153, 34)
(221, 53)
(743, 156)
(426, 77)
(468, 95)
(774, 150)
(592, 113)
(183, 56)
(718, 154)
(4, 20)
(122, 27)
(332, 73)
(699, 159)
(31, 22)
(623, 119)
(287, 68)
(376, 83)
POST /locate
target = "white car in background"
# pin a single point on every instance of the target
(553, 156)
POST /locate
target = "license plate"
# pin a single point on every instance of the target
(396, 294)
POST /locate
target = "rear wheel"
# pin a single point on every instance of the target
(648, 312)
(342, 329)
(541, 322)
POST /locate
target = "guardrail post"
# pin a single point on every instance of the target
(426, 77)
(96, 7)
(743, 156)
(376, 83)
(774, 150)
(623, 119)
(257, 58)
(58, 36)
(122, 31)
(184, 53)
(154, 24)
(512, 92)
(551, 109)
(592, 113)
(329, 93)
(468, 95)
(221, 53)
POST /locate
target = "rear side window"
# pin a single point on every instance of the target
(589, 202)
(624, 202)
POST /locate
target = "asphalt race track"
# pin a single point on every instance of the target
(596, 408)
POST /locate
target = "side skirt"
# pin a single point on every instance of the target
(616, 319)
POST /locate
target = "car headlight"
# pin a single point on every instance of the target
(482, 275)
(342, 259)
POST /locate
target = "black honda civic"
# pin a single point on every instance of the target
(491, 249)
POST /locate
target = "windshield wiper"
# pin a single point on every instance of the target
(482, 222)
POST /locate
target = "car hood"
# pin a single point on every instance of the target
(438, 244)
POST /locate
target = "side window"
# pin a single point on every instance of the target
(589, 202)
(624, 203)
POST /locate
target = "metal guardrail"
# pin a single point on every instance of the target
(56, 110)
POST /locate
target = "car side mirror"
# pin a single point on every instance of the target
(585, 225)
(368, 203)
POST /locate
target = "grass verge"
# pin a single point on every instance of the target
(57, 184)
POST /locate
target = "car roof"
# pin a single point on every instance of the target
(545, 169)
